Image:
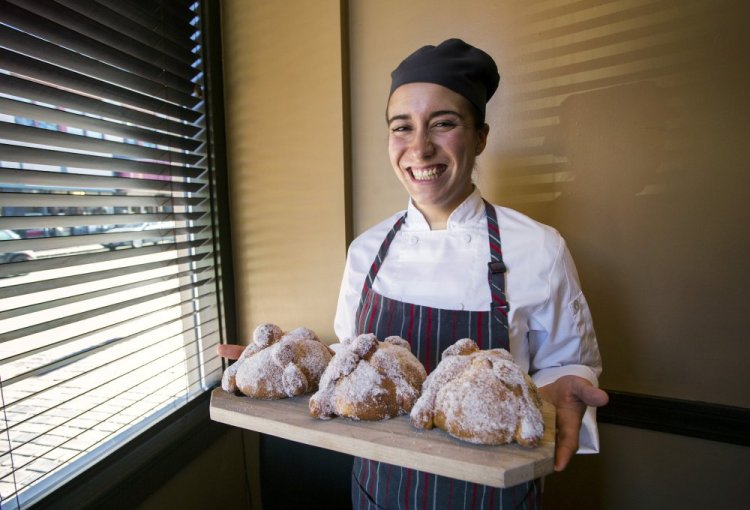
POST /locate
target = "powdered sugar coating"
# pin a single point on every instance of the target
(278, 365)
(303, 334)
(369, 380)
(480, 396)
(228, 382)
(266, 334)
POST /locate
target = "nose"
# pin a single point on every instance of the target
(422, 146)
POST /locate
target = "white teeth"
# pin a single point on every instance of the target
(424, 174)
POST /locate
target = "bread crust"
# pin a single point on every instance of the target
(369, 380)
(277, 364)
(480, 396)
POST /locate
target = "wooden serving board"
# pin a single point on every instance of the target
(395, 441)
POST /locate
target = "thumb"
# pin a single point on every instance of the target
(591, 395)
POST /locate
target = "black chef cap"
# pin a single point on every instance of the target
(453, 64)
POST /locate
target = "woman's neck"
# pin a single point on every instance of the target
(437, 216)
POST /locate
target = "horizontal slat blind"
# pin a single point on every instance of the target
(109, 314)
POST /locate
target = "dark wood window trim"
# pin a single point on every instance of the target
(704, 420)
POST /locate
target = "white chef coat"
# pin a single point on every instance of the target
(551, 331)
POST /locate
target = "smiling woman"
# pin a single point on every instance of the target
(454, 266)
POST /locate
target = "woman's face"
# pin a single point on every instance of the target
(432, 143)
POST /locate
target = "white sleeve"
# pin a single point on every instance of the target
(562, 339)
(346, 309)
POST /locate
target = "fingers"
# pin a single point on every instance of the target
(566, 445)
(564, 451)
(229, 351)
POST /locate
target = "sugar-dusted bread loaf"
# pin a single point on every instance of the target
(277, 364)
(369, 380)
(481, 397)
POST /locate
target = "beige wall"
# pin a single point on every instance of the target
(647, 470)
(285, 140)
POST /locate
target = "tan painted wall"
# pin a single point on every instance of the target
(285, 140)
(647, 470)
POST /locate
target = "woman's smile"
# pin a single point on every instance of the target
(428, 173)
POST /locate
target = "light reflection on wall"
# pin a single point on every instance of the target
(611, 61)
(624, 125)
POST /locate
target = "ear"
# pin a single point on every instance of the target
(482, 138)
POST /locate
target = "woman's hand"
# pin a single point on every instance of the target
(229, 351)
(570, 395)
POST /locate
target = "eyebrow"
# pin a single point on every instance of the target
(436, 113)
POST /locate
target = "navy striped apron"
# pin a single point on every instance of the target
(429, 331)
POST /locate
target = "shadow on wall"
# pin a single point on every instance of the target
(613, 142)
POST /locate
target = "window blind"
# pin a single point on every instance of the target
(109, 297)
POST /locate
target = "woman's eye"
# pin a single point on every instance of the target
(444, 124)
(399, 129)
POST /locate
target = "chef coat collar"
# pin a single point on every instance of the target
(469, 211)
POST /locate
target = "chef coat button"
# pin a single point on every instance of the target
(467, 238)
(413, 239)
(576, 306)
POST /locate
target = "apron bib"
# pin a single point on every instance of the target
(430, 331)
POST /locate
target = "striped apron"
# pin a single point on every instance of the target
(429, 331)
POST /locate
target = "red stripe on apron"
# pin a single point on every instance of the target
(372, 314)
(373, 473)
(428, 342)
(450, 494)
(479, 330)
(387, 479)
(406, 493)
(454, 320)
(366, 305)
(362, 498)
(411, 323)
(390, 317)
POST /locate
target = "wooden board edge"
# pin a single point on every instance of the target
(540, 464)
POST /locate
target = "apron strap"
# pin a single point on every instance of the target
(496, 270)
(382, 252)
